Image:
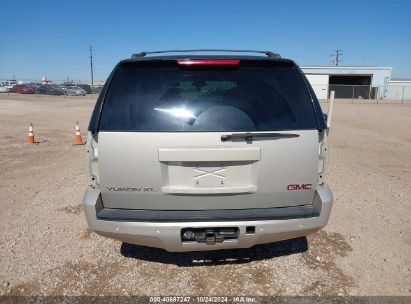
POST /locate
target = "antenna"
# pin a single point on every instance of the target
(336, 58)
(91, 64)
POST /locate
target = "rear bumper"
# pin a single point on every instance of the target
(167, 235)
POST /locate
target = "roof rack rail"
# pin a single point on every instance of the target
(267, 53)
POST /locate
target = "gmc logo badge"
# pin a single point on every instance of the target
(299, 187)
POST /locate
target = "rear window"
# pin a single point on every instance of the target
(172, 99)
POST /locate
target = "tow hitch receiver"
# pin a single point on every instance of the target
(210, 236)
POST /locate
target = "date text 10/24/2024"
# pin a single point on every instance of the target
(202, 299)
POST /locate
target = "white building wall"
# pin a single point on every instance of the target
(399, 90)
(319, 84)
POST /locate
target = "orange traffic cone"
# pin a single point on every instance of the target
(30, 137)
(77, 139)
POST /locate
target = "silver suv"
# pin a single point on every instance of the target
(203, 152)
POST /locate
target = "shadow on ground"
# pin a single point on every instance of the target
(218, 257)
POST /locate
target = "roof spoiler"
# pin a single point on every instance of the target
(269, 54)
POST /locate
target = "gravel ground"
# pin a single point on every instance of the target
(46, 248)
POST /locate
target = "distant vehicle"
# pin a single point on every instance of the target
(43, 89)
(4, 89)
(9, 83)
(49, 89)
(33, 85)
(97, 90)
(23, 89)
(56, 90)
(85, 87)
(74, 91)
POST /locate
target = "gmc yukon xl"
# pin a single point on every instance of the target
(191, 152)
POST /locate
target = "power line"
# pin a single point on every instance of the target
(91, 64)
(336, 58)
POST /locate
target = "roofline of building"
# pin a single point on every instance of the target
(344, 67)
(399, 81)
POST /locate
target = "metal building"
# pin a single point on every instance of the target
(357, 82)
(399, 89)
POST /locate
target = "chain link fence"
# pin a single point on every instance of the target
(357, 93)
(392, 93)
(353, 91)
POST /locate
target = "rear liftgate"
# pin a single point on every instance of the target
(184, 146)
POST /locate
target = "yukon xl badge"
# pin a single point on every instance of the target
(130, 189)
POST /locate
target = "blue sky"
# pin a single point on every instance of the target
(51, 38)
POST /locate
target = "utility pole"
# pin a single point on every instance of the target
(91, 64)
(336, 58)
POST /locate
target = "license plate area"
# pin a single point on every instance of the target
(209, 236)
(209, 177)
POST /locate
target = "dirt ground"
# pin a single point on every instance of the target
(46, 248)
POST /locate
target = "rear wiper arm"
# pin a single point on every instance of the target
(250, 136)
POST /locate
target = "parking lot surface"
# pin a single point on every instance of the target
(47, 249)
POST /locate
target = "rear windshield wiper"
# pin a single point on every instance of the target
(250, 136)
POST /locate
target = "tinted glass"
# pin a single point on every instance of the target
(249, 98)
